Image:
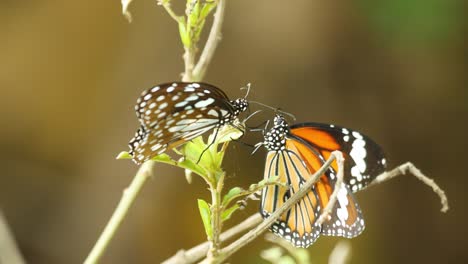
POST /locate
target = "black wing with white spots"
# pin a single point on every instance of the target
(173, 113)
(364, 159)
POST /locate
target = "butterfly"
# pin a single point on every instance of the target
(171, 114)
(295, 153)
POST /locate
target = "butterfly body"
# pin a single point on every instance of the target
(172, 113)
(295, 153)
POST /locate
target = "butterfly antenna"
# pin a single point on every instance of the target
(251, 115)
(247, 87)
(257, 147)
(275, 109)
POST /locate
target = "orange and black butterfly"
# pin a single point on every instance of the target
(295, 153)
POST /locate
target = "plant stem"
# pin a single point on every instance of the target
(212, 42)
(189, 60)
(9, 252)
(215, 221)
(128, 197)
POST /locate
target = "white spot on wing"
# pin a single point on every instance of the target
(204, 103)
(181, 104)
(193, 97)
(163, 105)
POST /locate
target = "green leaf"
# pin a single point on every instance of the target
(194, 15)
(205, 214)
(124, 155)
(164, 158)
(206, 9)
(184, 33)
(198, 30)
(228, 212)
(234, 192)
(190, 165)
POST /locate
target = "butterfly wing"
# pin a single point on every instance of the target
(345, 218)
(298, 225)
(364, 159)
(173, 113)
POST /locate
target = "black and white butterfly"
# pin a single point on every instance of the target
(170, 114)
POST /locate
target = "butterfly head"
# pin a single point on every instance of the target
(240, 105)
(275, 138)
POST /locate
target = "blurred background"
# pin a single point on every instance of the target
(71, 71)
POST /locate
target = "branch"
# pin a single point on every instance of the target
(198, 252)
(9, 252)
(211, 43)
(339, 181)
(403, 169)
(252, 234)
(129, 195)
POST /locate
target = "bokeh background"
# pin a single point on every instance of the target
(71, 71)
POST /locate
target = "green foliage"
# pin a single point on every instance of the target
(226, 214)
(205, 214)
(191, 26)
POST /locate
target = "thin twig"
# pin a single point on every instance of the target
(212, 42)
(169, 10)
(128, 197)
(9, 252)
(341, 253)
(403, 169)
(339, 181)
(199, 251)
(252, 234)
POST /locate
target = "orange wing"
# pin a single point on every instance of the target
(346, 217)
(364, 159)
(298, 224)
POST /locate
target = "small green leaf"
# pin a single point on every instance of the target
(194, 15)
(124, 155)
(206, 9)
(231, 194)
(193, 151)
(190, 165)
(164, 158)
(184, 33)
(205, 214)
(198, 30)
(228, 212)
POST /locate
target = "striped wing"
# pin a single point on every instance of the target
(171, 114)
(298, 224)
(364, 159)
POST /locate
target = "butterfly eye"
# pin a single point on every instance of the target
(170, 114)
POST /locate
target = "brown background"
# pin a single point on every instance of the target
(71, 71)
